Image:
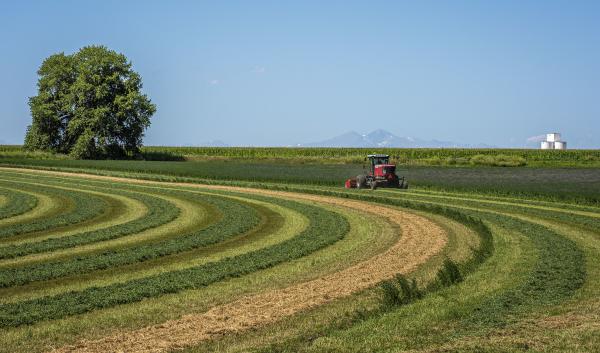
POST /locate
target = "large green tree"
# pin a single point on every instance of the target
(89, 105)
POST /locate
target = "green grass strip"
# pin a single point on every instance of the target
(85, 206)
(589, 220)
(160, 211)
(522, 201)
(555, 272)
(278, 224)
(16, 203)
(326, 227)
(558, 273)
(237, 218)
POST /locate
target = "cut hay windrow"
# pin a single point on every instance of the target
(549, 272)
(532, 264)
(404, 256)
(473, 196)
(557, 271)
(77, 207)
(194, 216)
(15, 203)
(159, 211)
(587, 218)
(121, 209)
(45, 206)
(560, 269)
(278, 224)
(237, 218)
(325, 227)
(368, 236)
(588, 211)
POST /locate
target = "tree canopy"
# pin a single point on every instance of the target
(89, 105)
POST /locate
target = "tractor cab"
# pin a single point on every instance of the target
(380, 174)
(380, 165)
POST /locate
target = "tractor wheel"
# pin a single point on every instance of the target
(361, 181)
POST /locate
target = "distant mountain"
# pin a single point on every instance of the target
(382, 138)
(213, 143)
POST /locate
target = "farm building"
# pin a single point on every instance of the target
(553, 142)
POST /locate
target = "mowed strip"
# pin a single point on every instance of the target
(573, 326)
(368, 235)
(280, 224)
(589, 219)
(114, 206)
(325, 228)
(362, 204)
(590, 212)
(65, 208)
(47, 205)
(15, 203)
(421, 239)
(472, 196)
(301, 327)
(121, 209)
(192, 216)
(532, 269)
(151, 213)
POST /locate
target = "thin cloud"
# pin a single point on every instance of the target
(259, 70)
(213, 82)
(538, 138)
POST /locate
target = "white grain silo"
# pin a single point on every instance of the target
(553, 142)
(546, 145)
(560, 145)
(553, 137)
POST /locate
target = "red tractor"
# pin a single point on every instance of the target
(381, 174)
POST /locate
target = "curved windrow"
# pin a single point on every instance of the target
(257, 241)
(237, 218)
(159, 211)
(277, 224)
(541, 261)
(321, 222)
(68, 207)
(15, 203)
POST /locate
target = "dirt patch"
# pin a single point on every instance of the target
(420, 240)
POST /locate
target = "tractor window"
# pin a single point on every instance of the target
(380, 160)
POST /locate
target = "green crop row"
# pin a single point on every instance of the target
(348, 155)
(18, 203)
(470, 317)
(85, 206)
(548, 271)
(325, 227)
(358, 154)
(11, 148)
(581, 185)
(159, 212)
(559, 271)
(237, 218)
(547, 212)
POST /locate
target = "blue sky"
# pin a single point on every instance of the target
(279, 73)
